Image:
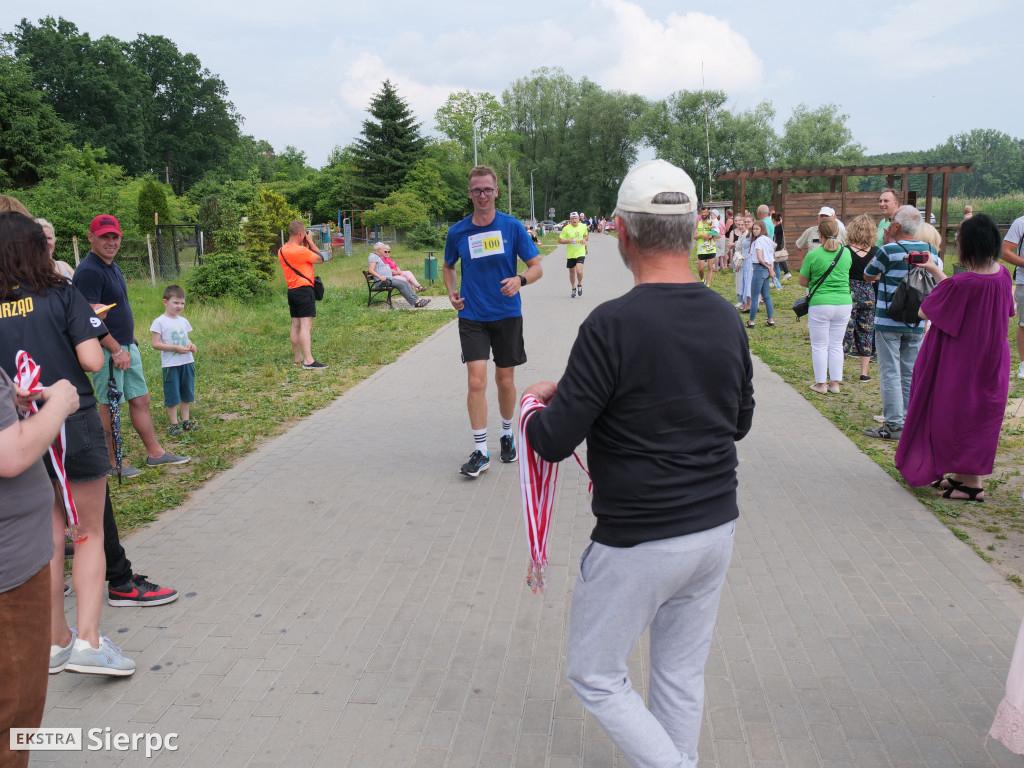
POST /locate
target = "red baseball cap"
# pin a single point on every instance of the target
(103, 224)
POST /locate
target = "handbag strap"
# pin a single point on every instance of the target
(831, 266)
(280, 255)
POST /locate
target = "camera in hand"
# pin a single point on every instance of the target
(917, 258)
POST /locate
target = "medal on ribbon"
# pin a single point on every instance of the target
(27, 377)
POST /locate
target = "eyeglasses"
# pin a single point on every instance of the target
(484, 192)
(388, 251)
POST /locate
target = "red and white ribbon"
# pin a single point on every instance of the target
(27, 377)
(537, 481)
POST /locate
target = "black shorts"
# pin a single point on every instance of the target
(301, 301)
(706, 256)
(85, 449)
(570, 263)
(504, 337)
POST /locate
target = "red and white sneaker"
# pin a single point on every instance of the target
(138, 591)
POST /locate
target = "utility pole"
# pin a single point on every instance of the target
(533, 217)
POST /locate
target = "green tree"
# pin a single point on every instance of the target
(541, 110)
(31, 134)
(389, 146)
(92, 85)
(425, 181)
(401, 210)
(495, 140)
(998, 162)
(152, 200)
(80, 186)
(817, 137)
(190, 124)
(683, 127)
(267, 214)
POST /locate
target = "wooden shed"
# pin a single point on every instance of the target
(801, 208)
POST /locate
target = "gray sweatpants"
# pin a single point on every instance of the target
(672, 586)
(405, 289)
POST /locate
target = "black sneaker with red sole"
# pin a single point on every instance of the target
(139, 591)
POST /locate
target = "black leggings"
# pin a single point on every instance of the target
(119, 567)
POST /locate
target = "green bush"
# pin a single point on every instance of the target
(226, 274)
(426, 237)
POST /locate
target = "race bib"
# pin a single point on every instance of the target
(486, 244)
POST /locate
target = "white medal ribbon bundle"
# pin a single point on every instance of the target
(537, 481)
(27, 378)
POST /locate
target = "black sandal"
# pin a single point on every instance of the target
(972, 493)
(770, 323)
(952, 483)
(751, 325)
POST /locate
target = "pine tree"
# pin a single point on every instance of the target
(389, 147)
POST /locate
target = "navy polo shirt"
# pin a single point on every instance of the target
(103, 283)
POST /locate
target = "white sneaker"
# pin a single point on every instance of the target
(105, 660)
(59, 656)
(786, 276)
(1020, 371)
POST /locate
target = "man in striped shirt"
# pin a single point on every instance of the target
(897, 343)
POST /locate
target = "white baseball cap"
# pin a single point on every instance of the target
(650, 179)
(826, 211)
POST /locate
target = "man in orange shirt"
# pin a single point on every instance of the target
(297, 264)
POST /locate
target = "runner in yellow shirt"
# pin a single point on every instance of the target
(574, 236)
(704, 239)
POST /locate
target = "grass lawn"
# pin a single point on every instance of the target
(247, 387)
(994, 529)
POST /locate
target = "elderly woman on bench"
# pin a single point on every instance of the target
(383, 268)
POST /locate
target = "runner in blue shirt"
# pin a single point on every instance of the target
(489, 244)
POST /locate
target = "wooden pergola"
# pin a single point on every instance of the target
(801, 209)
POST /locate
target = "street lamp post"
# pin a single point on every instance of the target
(533, 217)
(476, 124)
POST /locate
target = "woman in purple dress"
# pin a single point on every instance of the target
(961, 378)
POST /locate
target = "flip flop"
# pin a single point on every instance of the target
(972, 493)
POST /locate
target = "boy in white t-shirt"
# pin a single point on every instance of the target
(170, 335)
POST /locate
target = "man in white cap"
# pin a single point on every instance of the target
(809, 239)
(669, 353)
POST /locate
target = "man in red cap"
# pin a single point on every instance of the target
(101, 282)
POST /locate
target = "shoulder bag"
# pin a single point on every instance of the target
(317, 284)
(802, 305)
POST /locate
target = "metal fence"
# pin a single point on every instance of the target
(133, 258)
(174, 246)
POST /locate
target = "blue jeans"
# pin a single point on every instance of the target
(897, 353)
(760, 287)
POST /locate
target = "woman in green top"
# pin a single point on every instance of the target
(830, 306)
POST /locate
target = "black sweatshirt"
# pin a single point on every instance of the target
(660, 384)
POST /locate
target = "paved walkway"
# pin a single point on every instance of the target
(350, 599)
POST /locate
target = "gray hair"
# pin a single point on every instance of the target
(46, 225)
(909, 219)
(378, 245)
(662, 232)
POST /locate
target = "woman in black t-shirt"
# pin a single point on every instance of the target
(860, 332)
(41, 313)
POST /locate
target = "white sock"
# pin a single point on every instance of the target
(480, 441)
(81, 645)
(506, 427)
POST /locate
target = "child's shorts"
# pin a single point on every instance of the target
(179, 384)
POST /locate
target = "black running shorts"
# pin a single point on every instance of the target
(503, 337)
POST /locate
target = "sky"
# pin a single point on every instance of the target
(908, 75)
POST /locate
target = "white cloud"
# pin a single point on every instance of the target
(922, 36)
(657, 58)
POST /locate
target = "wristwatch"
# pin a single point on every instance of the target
(522, 278)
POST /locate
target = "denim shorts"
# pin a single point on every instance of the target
(179, 384)
(85, 448)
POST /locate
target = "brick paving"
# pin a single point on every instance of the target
(350, 600)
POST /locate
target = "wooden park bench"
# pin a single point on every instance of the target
(385, 288)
